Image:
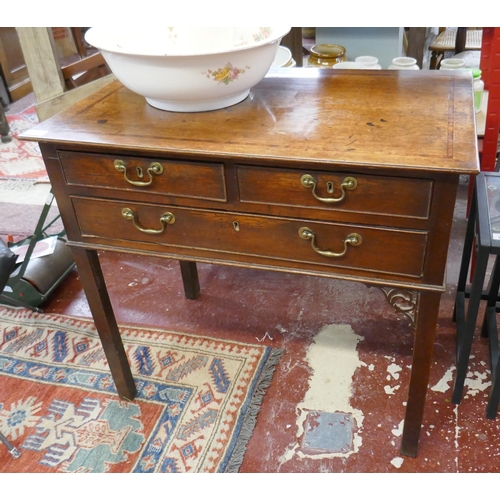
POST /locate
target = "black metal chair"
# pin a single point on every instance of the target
(7, 264)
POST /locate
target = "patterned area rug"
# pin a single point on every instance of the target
(198, 398)
(21, 159)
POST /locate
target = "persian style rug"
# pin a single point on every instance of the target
(197, 404)
(21, 159)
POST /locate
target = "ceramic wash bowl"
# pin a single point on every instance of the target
(189, 69)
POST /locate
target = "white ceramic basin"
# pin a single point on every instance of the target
(189, 69)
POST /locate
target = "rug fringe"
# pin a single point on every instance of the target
(250, 420)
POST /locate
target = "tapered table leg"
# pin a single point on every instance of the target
(190, 280)
(89, 269)
(425, 329)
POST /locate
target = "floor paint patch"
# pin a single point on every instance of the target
(477, 382)
(328, 433)
(444, 384)
(333, 359)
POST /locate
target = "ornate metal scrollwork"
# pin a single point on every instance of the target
(404, 301)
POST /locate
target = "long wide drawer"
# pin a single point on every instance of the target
(355, 193)
(167, 177)
(374, 249)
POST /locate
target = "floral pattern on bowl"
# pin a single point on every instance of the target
(172, 35)
(248, 38)
(225, 75)
(263, 34)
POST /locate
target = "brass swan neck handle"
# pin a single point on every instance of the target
(154, 168)
(166, 218)
(353, 239)
(348, 184)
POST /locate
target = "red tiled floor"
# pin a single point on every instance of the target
(288, 311)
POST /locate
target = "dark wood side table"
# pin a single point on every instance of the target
(343, 174)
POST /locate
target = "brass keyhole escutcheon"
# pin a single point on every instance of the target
(154, 168)
(236, 226)
(348, 184)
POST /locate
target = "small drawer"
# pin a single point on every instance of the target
(373, 249)
(157, 176)
(337, 191)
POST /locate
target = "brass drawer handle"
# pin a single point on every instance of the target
(353, 239)
(166, 218)
(349, 183)
(154, 168)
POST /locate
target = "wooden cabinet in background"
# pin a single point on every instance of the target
(13, 66)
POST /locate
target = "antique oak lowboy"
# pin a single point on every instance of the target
(343, 174)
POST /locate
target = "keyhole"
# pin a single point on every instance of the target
(236, 226)
(329, 187)
(140, 173)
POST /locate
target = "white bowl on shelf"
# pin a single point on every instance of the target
(189, 69)
(452, 64)
(369, 62)
(283, 58)
(348, 65)
(404, 63)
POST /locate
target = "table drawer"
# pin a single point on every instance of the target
(168, 177)
(394, 196)
(385, 250)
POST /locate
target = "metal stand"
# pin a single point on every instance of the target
(12, 449)
(34, 279)
(483, 234)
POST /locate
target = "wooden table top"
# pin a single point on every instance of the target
(422, 120)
